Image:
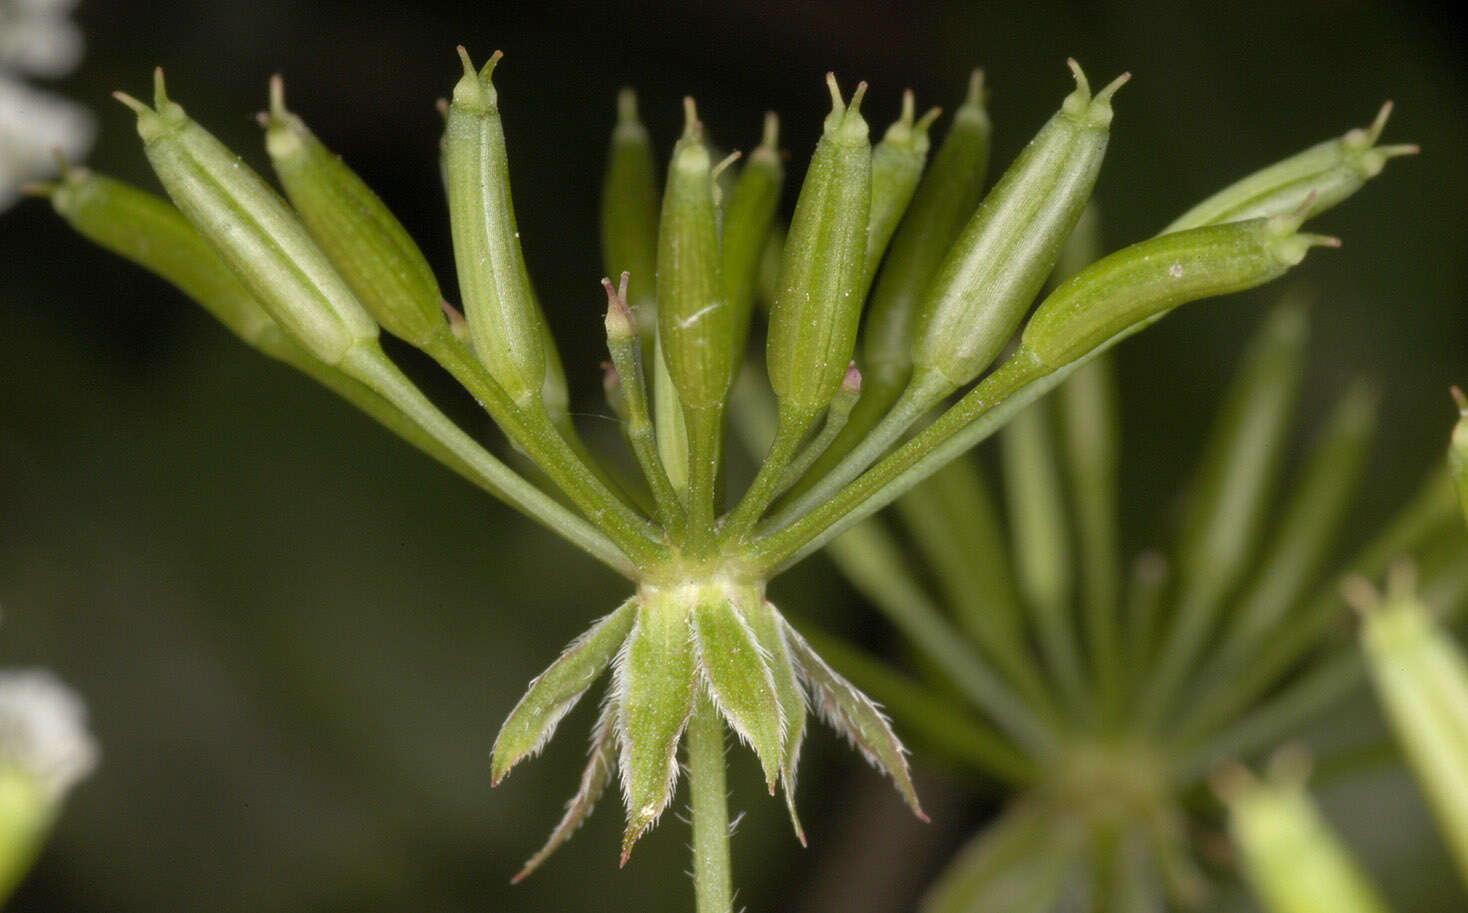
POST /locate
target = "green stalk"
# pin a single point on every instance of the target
(367, 362)
(1042, 548)
(767, 482)
(712, 884)
(534, 431)
(871, 561)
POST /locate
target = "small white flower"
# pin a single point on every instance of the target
(37, 39)
(43, 730)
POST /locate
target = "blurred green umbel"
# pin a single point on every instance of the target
(697, 650)
(1103, 701)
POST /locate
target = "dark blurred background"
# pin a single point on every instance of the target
(297, 636)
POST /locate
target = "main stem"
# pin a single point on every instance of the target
(712, 885)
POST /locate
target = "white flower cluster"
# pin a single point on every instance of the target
(43, 730)
(37, 39)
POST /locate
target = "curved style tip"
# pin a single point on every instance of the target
(37, 189)
(1373, 133)
(1083, 85)
(926, 121)
(486, 71)
(1460, 398)
(1110, 89)
(856, 97)
(136, 106)
(725, 162)
(838, 105)
(467, 63)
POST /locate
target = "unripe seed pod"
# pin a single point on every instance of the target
(1290, 855)
(1159, 274)
(747, 220)
(897, 164)
(505, 321)
(629, 207)
(694, 317)
(1010, 246)
(945, 200)
(1316, 179)
(253, 230)
(815, 315)
(365, 242)
(150, 232)
(1421, 678)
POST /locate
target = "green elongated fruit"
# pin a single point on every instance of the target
(748, 218)
(1008, 249)
(944, 201)
(897, 165)
(1290, 855)
(363, 239)
(1458, 450)
(1152, 277)
(505, 321)
(694, 316)
(555, 691)
(737, 673)
(1421, 678)
(1313, 180)
(629, 210)
(815, 315)
(654, 688)
(153, 234)
(252, 229)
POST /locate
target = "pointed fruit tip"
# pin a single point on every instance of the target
(1230, 781)
(1083, 85)
(627, 105)
(770, 136)
(160, 89)
(926, 121)
(975, 94)
(1460, 398)
(837, 104)
(857, 96)
(909, 108)
(1360, 594)
(692, 128)
(466, 61)
(1110, 89)
(277, 97)
(136, 106)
